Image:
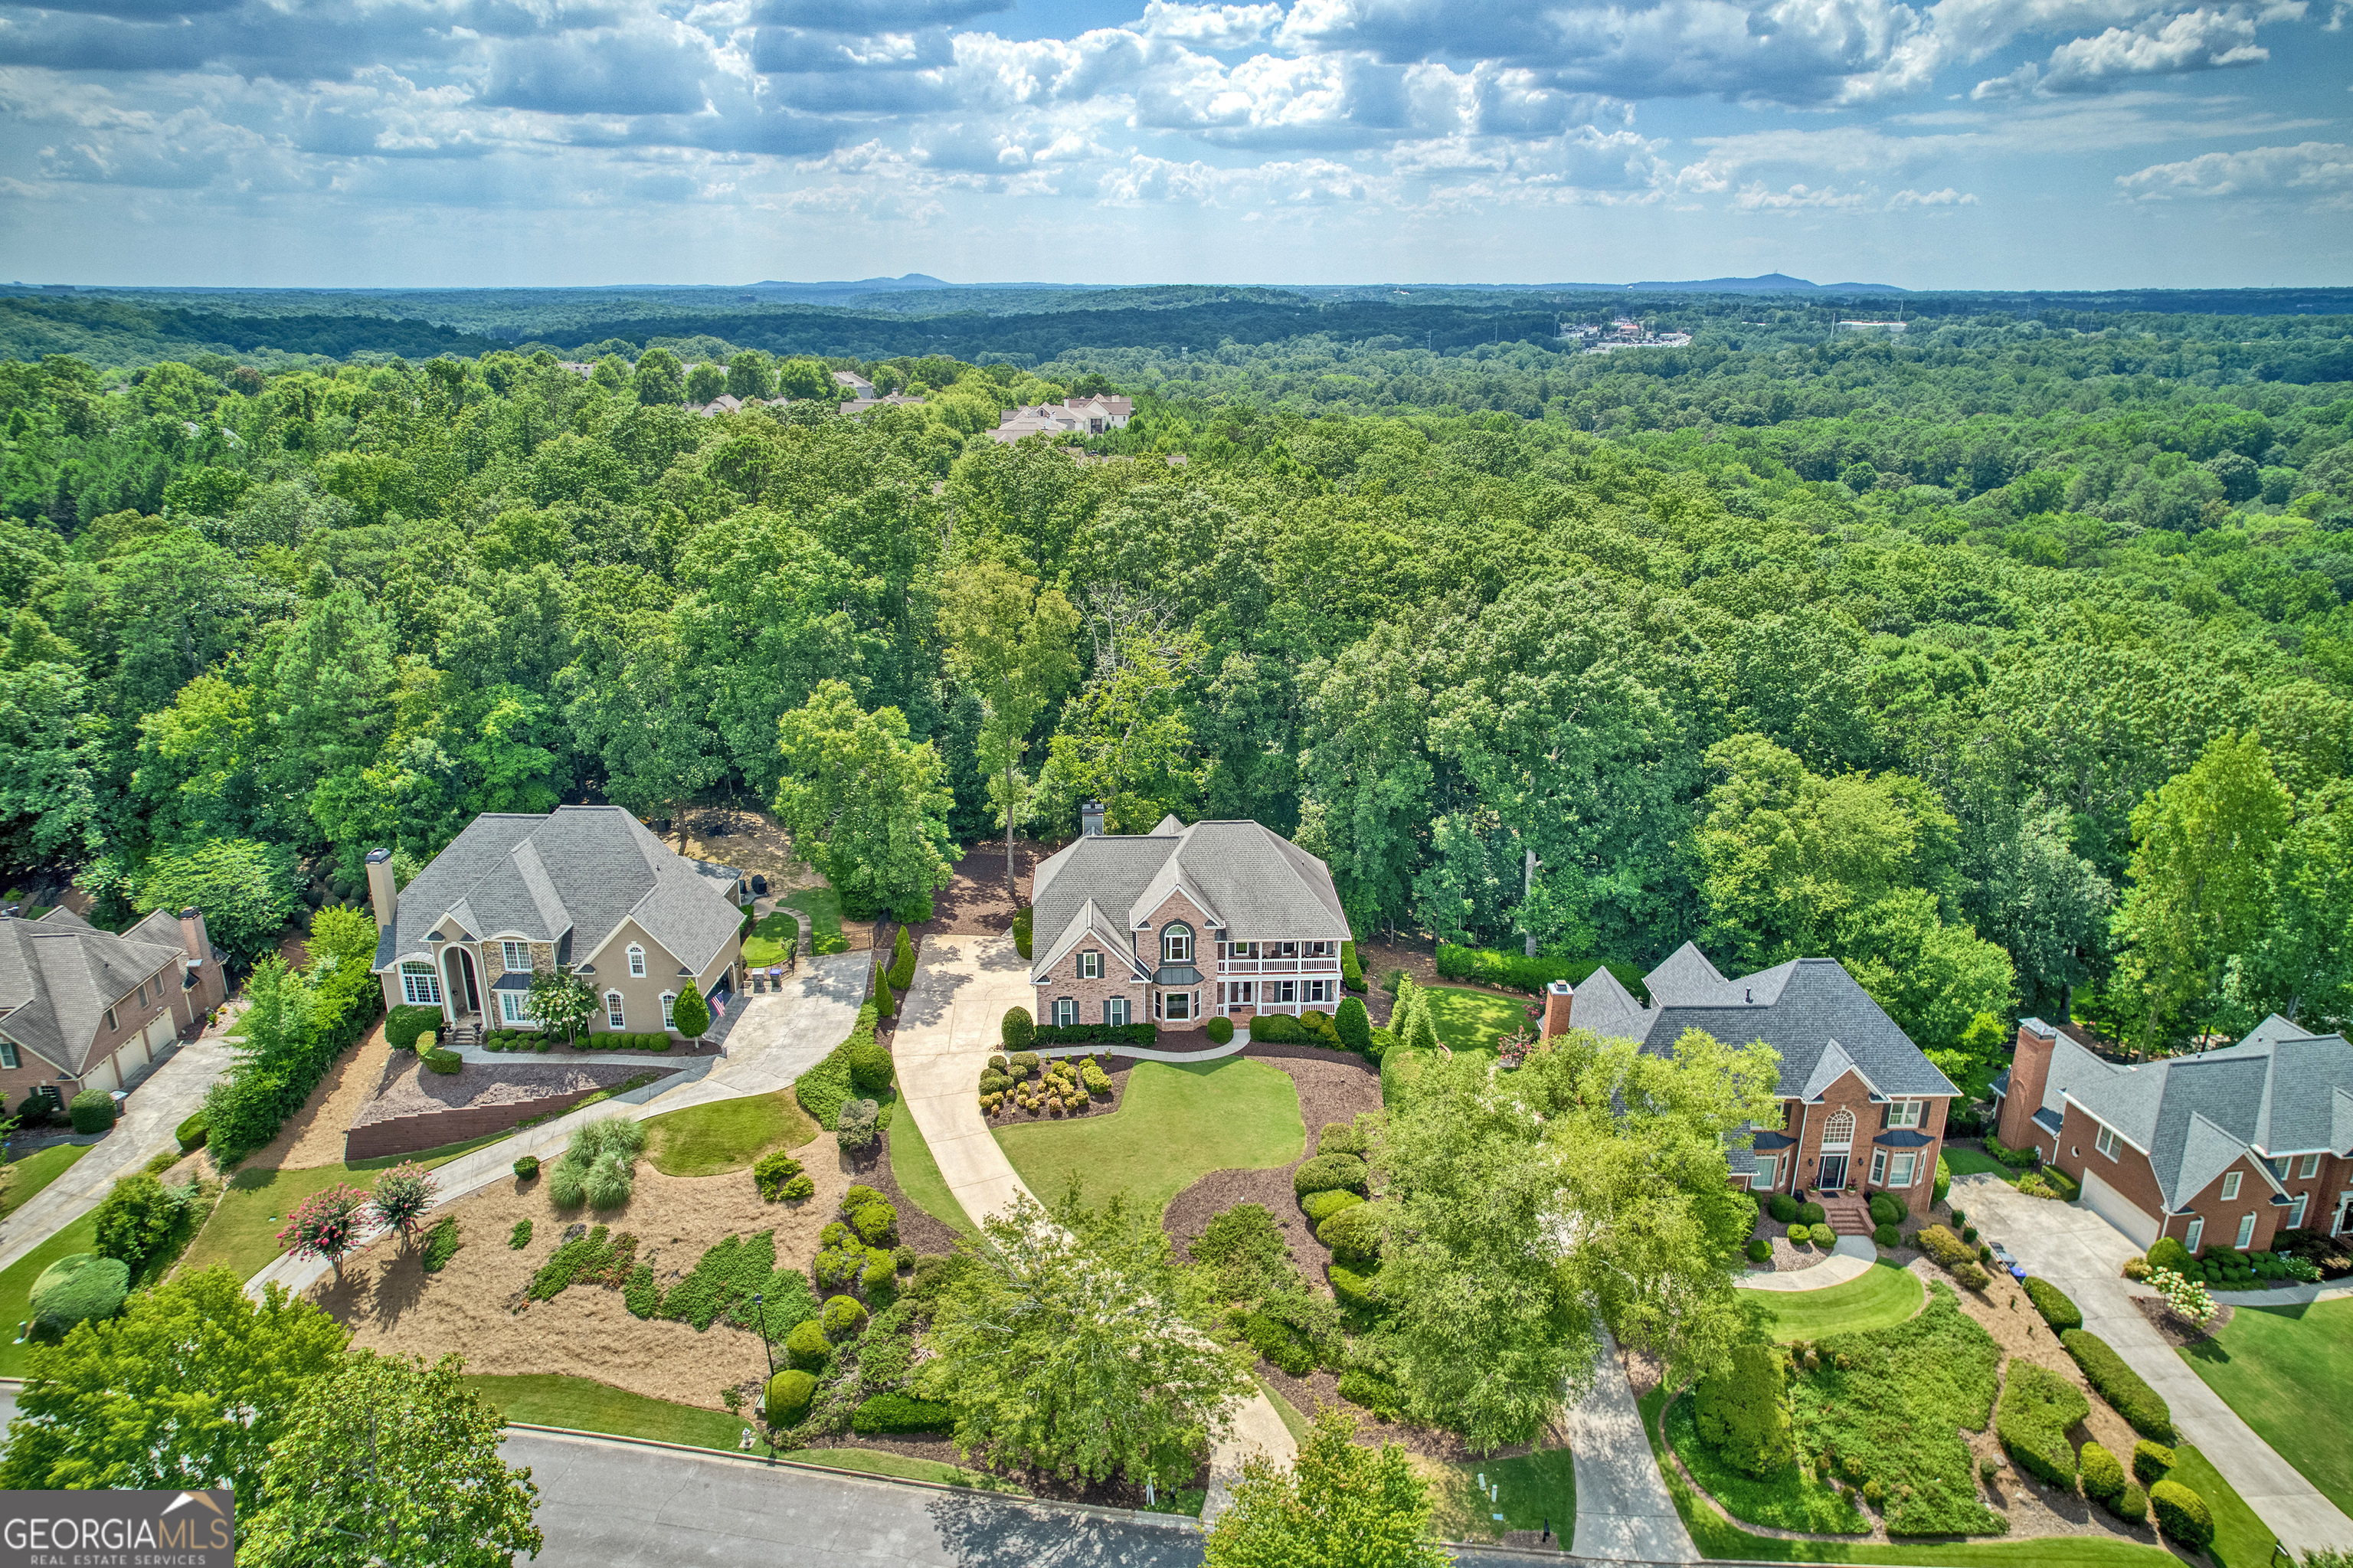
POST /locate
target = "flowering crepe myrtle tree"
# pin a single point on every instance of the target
(401, 1197)
(563, 1003)
(327, 1225)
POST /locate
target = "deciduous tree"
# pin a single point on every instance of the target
(1013, 645)
(863, 803)
(1338, 1506)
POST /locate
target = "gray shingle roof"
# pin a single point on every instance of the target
(2280, 1091)
(59, 974)
(1256, 885)
(569, 878)
(1810, 1010)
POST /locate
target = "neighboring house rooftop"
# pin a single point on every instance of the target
(1249, 883)
(59, 974)
(2280, 1091)
(1810, 1010)
(569, 878)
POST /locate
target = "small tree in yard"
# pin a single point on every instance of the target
(564, 1003)
(327, 1225)
(402, 1195)
(691, 1015)
(1339, 1504)
(390, 1463)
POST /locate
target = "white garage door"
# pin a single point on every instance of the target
(159, 1034)
(101, 1075)
(2118, 1211)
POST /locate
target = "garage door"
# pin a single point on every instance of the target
(159, 1034)
(2118, 1211)
(102, 1076)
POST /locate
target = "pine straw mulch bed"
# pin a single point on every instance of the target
(917, 1229)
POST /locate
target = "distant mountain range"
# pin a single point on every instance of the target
(1769, 283)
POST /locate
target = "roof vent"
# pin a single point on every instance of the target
(1751, 993)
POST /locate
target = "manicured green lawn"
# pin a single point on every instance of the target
(1975, 1162)
(2288, 1372)
(1791, 1499)
(16, 1287)
(821, 907)
(242, 1233)
(30, 1175)
(1530, 1492)
(917, 1172)
(1717, 1537)
(1470, 1020)
(1879, 1298)
(771, 940)
(875, 1462)
(725, 1135)
(1174, 1125)
(2240, 1539)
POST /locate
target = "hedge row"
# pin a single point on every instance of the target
(401, 1025)
(824, 1089)
(1956, 1257)
(296, 1027)
(1042, 1036)
(2037, 1407)
(2142, 1408)
(887, 1412)
(2057, 1309)
(1516, 971)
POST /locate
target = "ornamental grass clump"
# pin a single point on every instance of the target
(598, 1165)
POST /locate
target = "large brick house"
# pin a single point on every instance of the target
(2225, 1148)
(1862, 1109)
(86, 1009)
(1181, 924)
(583, 888)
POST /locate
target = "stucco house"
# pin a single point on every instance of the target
(1862, 1108)
(2223, 1148)
(583, 888)
(1181, 924)
(86, 1009)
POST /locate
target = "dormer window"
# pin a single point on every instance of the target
(636, 962)
(1090, 965)
(1177, 944)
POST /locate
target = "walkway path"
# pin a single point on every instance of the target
(159, 1103)
(1852, 1258)
(948, 1028)
(770, 1047)
(2083, 1255)
(1623, 1512)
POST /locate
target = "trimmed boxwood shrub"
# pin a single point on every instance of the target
(93, 1111)
(1353, 1290)
(1887, 1236)
(1743, 1412)
(1759, 1249)
(887, 1413)
(1954, 1255)
(1353, 1024)
(193, 1132)
(1309, 1028)
(1783, 1208)
(2037, 1407)
(1801, 1235)
(772, 1173)
(446, 1063)
(1017, 1028)
(857, 1125)
(869, 1063)
(1322, 1206)
(807, 1347)
(1340, 1137)
(2182, 1515)
(1354, 1235)
(1352, 971)
(2142, 1408)
(1047, 1036)
(1821, 1235)
(2170, 1254)
(1374, 1393)
(2151, 1461)
(844, 1317)
(1220, 1031)
(527, 1167)
(2133, 1507)
(1023, 1064)
(403, 1024)
(2104, 1476)
(1329, 1173)
(1021, 918)
(1813, 1213)
(789, 1392)
(1886, 1210)
(2053, 1304)
(78, 1288)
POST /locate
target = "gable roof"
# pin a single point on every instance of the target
(569, 878)
(59, 974)
(1251, 883)
(2280, 1091)
(1810, 1010)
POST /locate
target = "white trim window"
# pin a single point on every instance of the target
(616, 1013)
(1090, 965)
(514, 957)
(2295, 1213)
(1907, 1113)
(2196, 1233)
(1768, 1168)
(2230, 1187)
(8, 1057)
(2246, 1232)
(1838, 1133)
(636, 962)
(1066, 1012)
(2108, 1143)
(515, 1007)
(1879, 1168)
(1116, 1013)
(1903, 1169)
(420, 986)
(1282, 993)
(1177, 1005)
(1176, 945)
(669, 1010)
(2309, 1169)
(1319, 990)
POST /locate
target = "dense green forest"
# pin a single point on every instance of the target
(2009, 661)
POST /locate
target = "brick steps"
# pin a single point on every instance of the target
(1847, 1216)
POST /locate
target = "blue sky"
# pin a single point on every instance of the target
(1957, 144)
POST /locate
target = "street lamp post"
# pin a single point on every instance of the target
(760, 1306)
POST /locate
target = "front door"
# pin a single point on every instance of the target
(1833, 1177)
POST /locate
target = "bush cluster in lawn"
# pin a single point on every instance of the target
(858, 1124)
(721, 1286)
(1759, 1249)
(2150, 1461)
(2104, 1483)
(1244, 1251)
(1783, 1208)
(80, 1287)
(1790, 1498)
(593, 1257)
(1741, 1413)
(781, 1179)
(1954, 1255)
(887, 1413)
(2057, 1309)
(1354, 1235)
(822, 1089)
(519, 1237)
(1321, 1206)
(448, 1064)
(1308, 1029)
(403, 1025)
(1045, 1036)
(2182, 1515)
(1812, 1214)
(441, 1243)
(2037, 1407)
(2142, 1408)
(1330, 1174)
(1886, 1209)
(789, 1395)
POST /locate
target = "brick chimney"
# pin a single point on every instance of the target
(2030, 1070)
(193, 938)
(1559, 998)
(1091, 816)
(383, 891)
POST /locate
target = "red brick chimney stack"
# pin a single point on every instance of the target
(1558, 999)
(193, 937)
(2030, 1069)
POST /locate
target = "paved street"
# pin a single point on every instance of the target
(2083, 1255)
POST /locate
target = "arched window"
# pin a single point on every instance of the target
(669, 1006)
(616, 1016)
(636, 962)
(1177, 944)
(1839, 1132)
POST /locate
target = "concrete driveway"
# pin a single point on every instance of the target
(159, 1103)
(2083, 1255)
